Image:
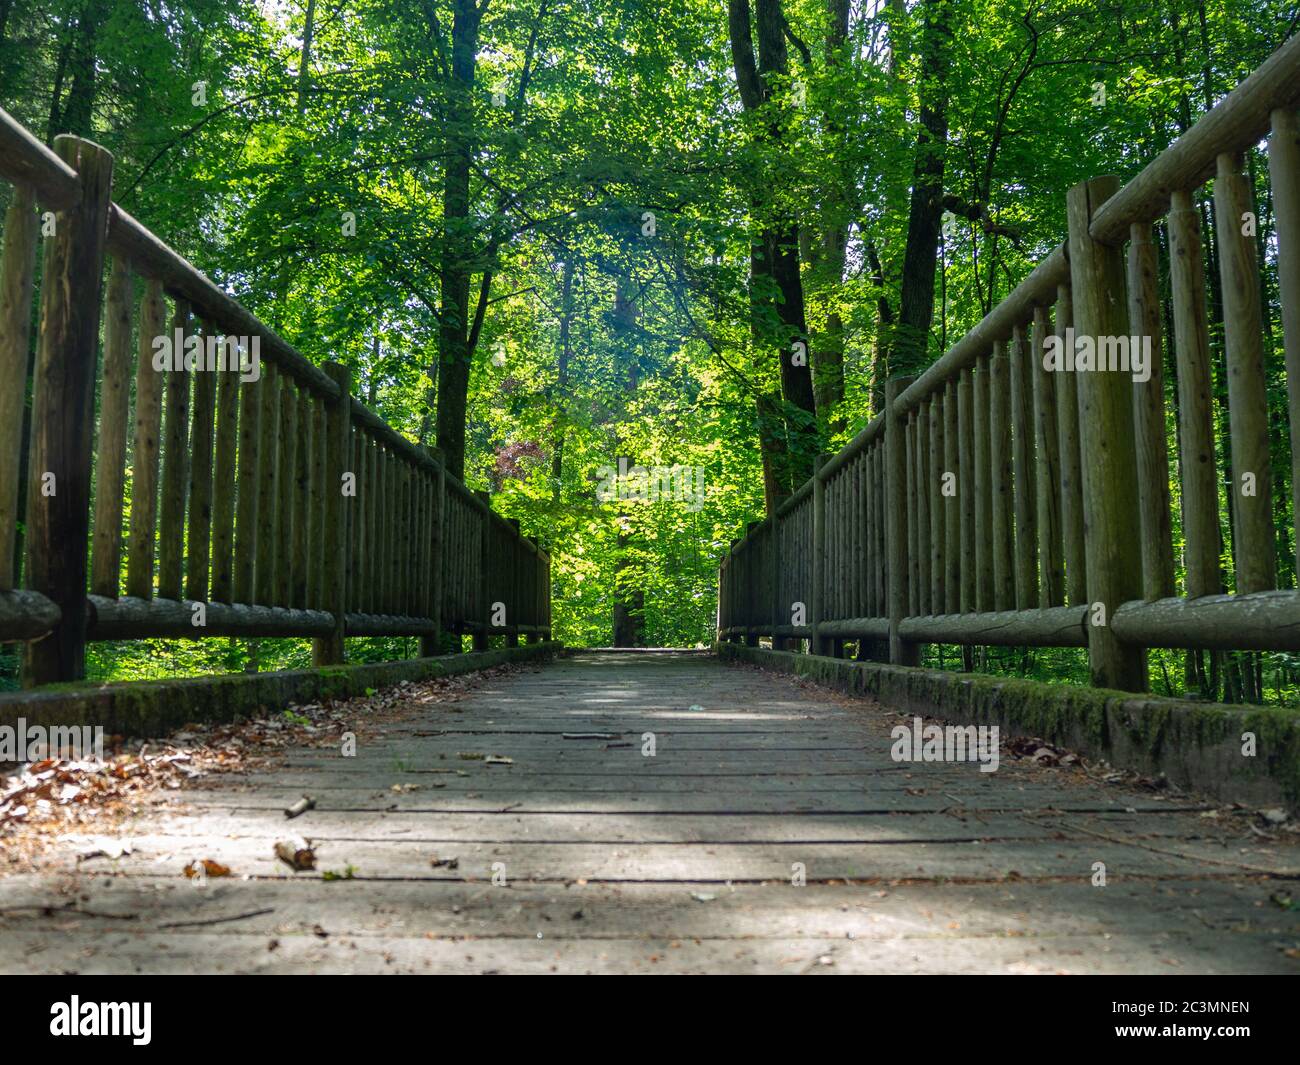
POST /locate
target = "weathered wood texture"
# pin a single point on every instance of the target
(769, 831)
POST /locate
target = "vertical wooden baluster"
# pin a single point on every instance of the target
(1200, 490)
(248, 527)
(983, 487)
(316, 592)
(966, 487)
(938, 532)
(329, 650)
(268, 496)
(302, 501)
(286, 481)
(224, 473)
(923, 541)
(951, 502)
(175, 462)
(1002, 459)
(1284, 172)
(1252, 469)
(114, 413)
(1067, 425)
(202, 434)
(1022, 445)
(913, 490)
(1047, 465)
(817, 597)
(1149, 418)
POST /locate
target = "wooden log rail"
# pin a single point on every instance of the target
(264, 498)
(996, 501)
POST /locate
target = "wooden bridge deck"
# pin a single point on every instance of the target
(615, 861)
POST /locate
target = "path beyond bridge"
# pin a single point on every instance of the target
(608, 859)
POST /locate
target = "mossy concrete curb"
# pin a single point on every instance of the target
(142, 709)
(1195, 745)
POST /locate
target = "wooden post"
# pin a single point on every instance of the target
(110, 469)
(900, 652)
(329, 650)
(1106, 443)
(1149, 419)
(1254, 546)
(17, 270)
(63, 414)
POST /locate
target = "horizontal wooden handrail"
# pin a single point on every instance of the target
(1236, 122)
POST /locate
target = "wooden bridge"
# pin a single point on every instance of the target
(664, 811)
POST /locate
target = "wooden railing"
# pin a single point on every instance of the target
(996, 502)
(267, 503)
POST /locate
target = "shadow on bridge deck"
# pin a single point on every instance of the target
(663, 812)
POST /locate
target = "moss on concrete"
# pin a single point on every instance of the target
(153, 708)
(1196, 745)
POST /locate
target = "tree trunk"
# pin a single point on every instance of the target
(776, 289)
(454, 351)
(916, 305)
